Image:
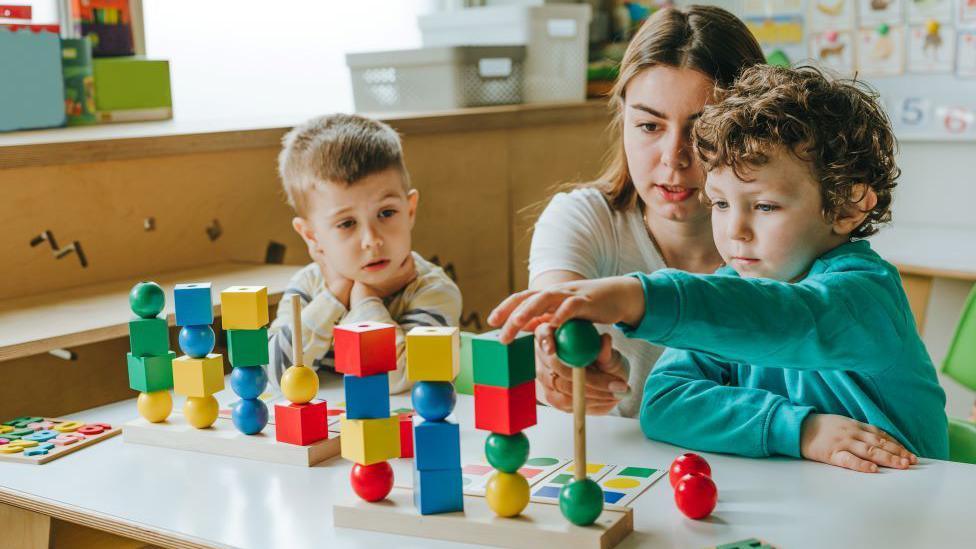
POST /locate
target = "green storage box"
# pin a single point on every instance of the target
(132, 88)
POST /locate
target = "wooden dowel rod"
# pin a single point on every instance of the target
(579, 421)
(296, 334)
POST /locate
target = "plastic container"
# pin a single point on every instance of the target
(555, 37)
(439, 78)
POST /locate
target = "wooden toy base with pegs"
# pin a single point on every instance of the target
(539, 525)
(224, 439)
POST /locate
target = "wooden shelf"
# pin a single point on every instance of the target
(99, 143)
(88, 314)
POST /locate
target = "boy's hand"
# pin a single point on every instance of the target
(603, 300)
(338, 285)
(606, 378)
(844, 442)
(360, 292)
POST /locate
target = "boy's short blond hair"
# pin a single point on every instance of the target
(336, 148)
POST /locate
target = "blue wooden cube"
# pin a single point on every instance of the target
(436, 445)
(367, 397)
(193, 303)
(438, 491)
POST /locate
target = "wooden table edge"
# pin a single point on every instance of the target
(102, 521)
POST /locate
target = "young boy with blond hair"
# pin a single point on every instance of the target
(804, 343)
(345, 178)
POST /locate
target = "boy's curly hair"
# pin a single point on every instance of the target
(838, 126)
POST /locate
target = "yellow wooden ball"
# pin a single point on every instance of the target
(201, 412)
(155, 406)
(299, 384)
(507, 493)
(932, 27)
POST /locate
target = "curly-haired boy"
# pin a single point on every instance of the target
(804, 343)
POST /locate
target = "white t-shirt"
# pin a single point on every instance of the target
(579, 232)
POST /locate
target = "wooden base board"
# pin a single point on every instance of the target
(224, 439)
(540, 525)
(60, 451)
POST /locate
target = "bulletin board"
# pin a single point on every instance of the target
(920, 55)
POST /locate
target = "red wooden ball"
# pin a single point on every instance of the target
(372, 482)
(688, 463)
(696, 495)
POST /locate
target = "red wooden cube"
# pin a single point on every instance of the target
(406, 435)
(505, 410)
(364, 348)
(301, 424)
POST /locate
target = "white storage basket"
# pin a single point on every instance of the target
(438, 78)
(555, 36)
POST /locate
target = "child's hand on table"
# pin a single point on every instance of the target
(844, 442)
(606, 378)
(603, 300)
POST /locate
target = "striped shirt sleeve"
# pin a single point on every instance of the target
(321, 311)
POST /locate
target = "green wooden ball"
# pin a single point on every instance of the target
(507, 452)
(581, 501)
(147, 299)
(577, 343)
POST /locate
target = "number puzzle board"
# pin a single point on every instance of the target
(62, 441)
(546, 476)
(224, 439)
(539, 525)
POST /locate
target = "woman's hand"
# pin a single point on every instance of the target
(844, 442)
(603, 300)
(606, 378)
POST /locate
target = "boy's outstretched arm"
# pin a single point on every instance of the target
(687, 402)
(838, 320)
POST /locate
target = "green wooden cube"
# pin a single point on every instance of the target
(501, 365)
(148, 336)
(150, 373)
(464, 382)
(247, 347)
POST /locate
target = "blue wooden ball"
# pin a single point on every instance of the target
(433, 400)
(250, 416)
(197, 341)
(248, 381)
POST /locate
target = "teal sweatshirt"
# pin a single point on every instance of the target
(749, 359)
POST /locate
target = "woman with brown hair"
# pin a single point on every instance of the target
(643, 213)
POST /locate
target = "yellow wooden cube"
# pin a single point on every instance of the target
(369, 441)
(198, 377)
(244, 307)
(433, 353)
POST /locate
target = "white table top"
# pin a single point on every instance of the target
(241, 503)
(929, 250)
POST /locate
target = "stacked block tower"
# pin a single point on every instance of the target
(433, 359)
(244, 315)
(365, 353)
(199, 373)
(150, 362)
(504, 403)
(302, 422)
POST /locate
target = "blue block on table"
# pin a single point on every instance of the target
(193, 304)
(438, 491)
(436, 445)
(367, 397)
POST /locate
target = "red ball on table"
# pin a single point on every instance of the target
(372, 482)
(688, 463)
(696, 495)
